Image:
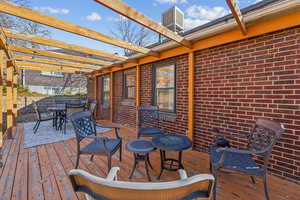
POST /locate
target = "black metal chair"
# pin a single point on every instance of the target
(85, 127)
(148, 121)
(42, 117)
(260, 142)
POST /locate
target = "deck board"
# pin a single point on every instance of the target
(41, 172)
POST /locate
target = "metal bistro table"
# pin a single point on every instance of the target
(171, 142)
(60, 112)
(141, 149)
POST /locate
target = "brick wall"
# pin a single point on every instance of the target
(177, 123)
(239, 82)
(235, 84)
(124, 110)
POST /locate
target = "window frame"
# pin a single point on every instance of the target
(125, 86)
(53, 74)
(154, 87)
(103, 92)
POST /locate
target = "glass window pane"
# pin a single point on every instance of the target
(106, 84)
(165, 99)
(106, 99)
(165, 76)
(130, 92)
(130, 79)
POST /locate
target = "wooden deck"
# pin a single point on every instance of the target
(41, 172)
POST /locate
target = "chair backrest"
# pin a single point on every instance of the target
(83, 124)
(100, 188)
(148, 115)
(264, 135)
(36, 110)
(92, 106)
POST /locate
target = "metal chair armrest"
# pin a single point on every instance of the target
(112, 175)
(217, 133)
(112, 127)
(233, 150)
(182, 174)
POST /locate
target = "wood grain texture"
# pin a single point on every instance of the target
(60, 44)
(9, 98)
(56, 62)
(125, 10)
(49, 67)
(35, 16)
(237, 15)
(39, 52)
(48, 166)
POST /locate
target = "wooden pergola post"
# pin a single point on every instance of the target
(2, 66)
(138, 85)
(111, 96)
(15, 98)
(191, 72)
(9, 98)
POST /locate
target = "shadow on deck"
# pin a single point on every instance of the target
(41, 172)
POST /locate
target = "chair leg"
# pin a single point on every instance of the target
(37, 127)
(109, 163)
(77, 161)
(120, 153)
(253, 179)
(92, 157)
(215, 185)
(266, 187)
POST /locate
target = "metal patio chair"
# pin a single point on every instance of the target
(148, 121)
(85, 127)
(187, 188)
(42, 117)
(260, 142)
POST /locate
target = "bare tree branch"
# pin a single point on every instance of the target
(131, 32)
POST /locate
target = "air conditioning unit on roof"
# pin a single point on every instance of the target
(173, 19)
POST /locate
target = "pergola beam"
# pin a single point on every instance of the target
(236, 12)
(46, 67)
(55, 62)
(39, 52)
(35, 16)
(56, 43)
(125, 10)
(4, 46)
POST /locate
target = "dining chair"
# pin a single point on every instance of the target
(261, 140)
(148, 121)
(41, 117)
(85, 127)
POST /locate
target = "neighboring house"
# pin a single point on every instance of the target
(51, 83)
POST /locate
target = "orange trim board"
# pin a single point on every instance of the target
(271, 25)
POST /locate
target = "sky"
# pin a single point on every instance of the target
(94, 16)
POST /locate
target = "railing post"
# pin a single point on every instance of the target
(191, 71)
(15, 98)
(2, 66)
(9, 98)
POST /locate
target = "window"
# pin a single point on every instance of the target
(105, 91)
(129, 84)
(51, 90)
(164, 87)
(56, 74)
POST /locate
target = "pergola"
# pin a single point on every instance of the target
(43, 59)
